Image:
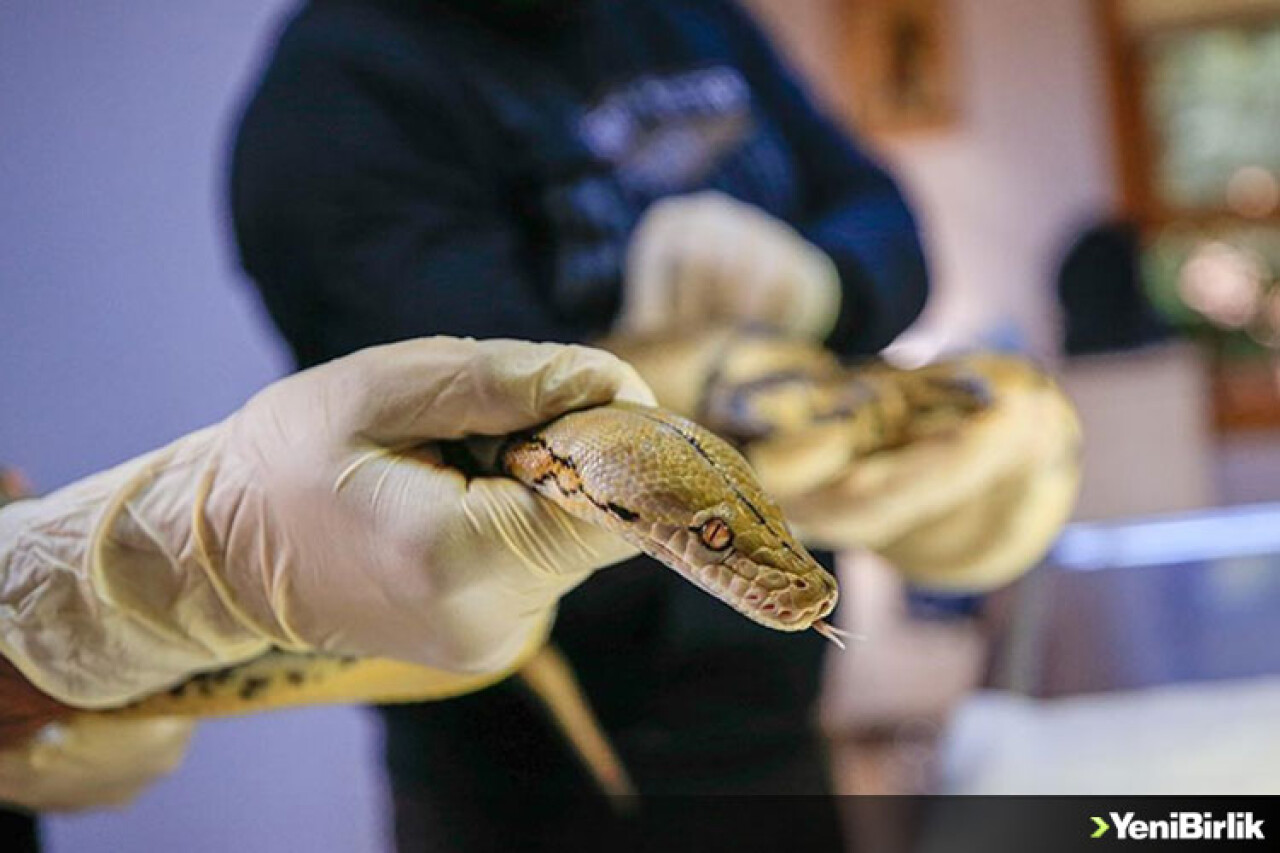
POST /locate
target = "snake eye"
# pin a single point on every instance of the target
(715, 534)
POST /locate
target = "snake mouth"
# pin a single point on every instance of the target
(779, 600)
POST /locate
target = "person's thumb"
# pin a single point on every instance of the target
(449, 388)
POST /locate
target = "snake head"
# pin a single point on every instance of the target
(682, 495)
(760, 569)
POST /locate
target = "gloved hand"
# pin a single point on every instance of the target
(708, 258)
(95, 762)
(319, 517)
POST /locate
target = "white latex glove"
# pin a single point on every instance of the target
(91, 763)
(319, 517)
(707, 258)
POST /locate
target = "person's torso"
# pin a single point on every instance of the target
(591, 121)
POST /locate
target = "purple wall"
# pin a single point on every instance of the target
(123, 320)
(124, 323)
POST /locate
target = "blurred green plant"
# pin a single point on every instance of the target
(1218, 285)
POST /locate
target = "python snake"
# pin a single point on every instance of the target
(679, 492)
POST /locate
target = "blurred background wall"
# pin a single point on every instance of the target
(124, 324)
(1024, 164)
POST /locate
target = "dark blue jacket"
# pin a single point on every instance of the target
(403, 171)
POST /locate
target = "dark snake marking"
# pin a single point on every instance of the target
(850, 397)
(252, 686)
(619, 510)
(615, 509)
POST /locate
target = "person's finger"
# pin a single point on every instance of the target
(445, 388)
(700, 246)
(758, 278)
(649, 274)
(727, 250)
(534, 538)
(494, 561)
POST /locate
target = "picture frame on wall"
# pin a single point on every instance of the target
(901, 56)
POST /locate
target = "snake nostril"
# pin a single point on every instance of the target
(802, 584)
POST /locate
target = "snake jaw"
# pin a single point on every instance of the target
(784, 599)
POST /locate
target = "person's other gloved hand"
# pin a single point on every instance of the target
(97, 762)
(708, 258)
(319, 517)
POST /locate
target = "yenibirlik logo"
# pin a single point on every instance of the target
(1182, 826)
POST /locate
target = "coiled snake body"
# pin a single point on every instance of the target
(684, 495)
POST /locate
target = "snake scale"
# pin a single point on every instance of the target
(681, 493)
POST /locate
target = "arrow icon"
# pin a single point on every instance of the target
(1102, 827)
